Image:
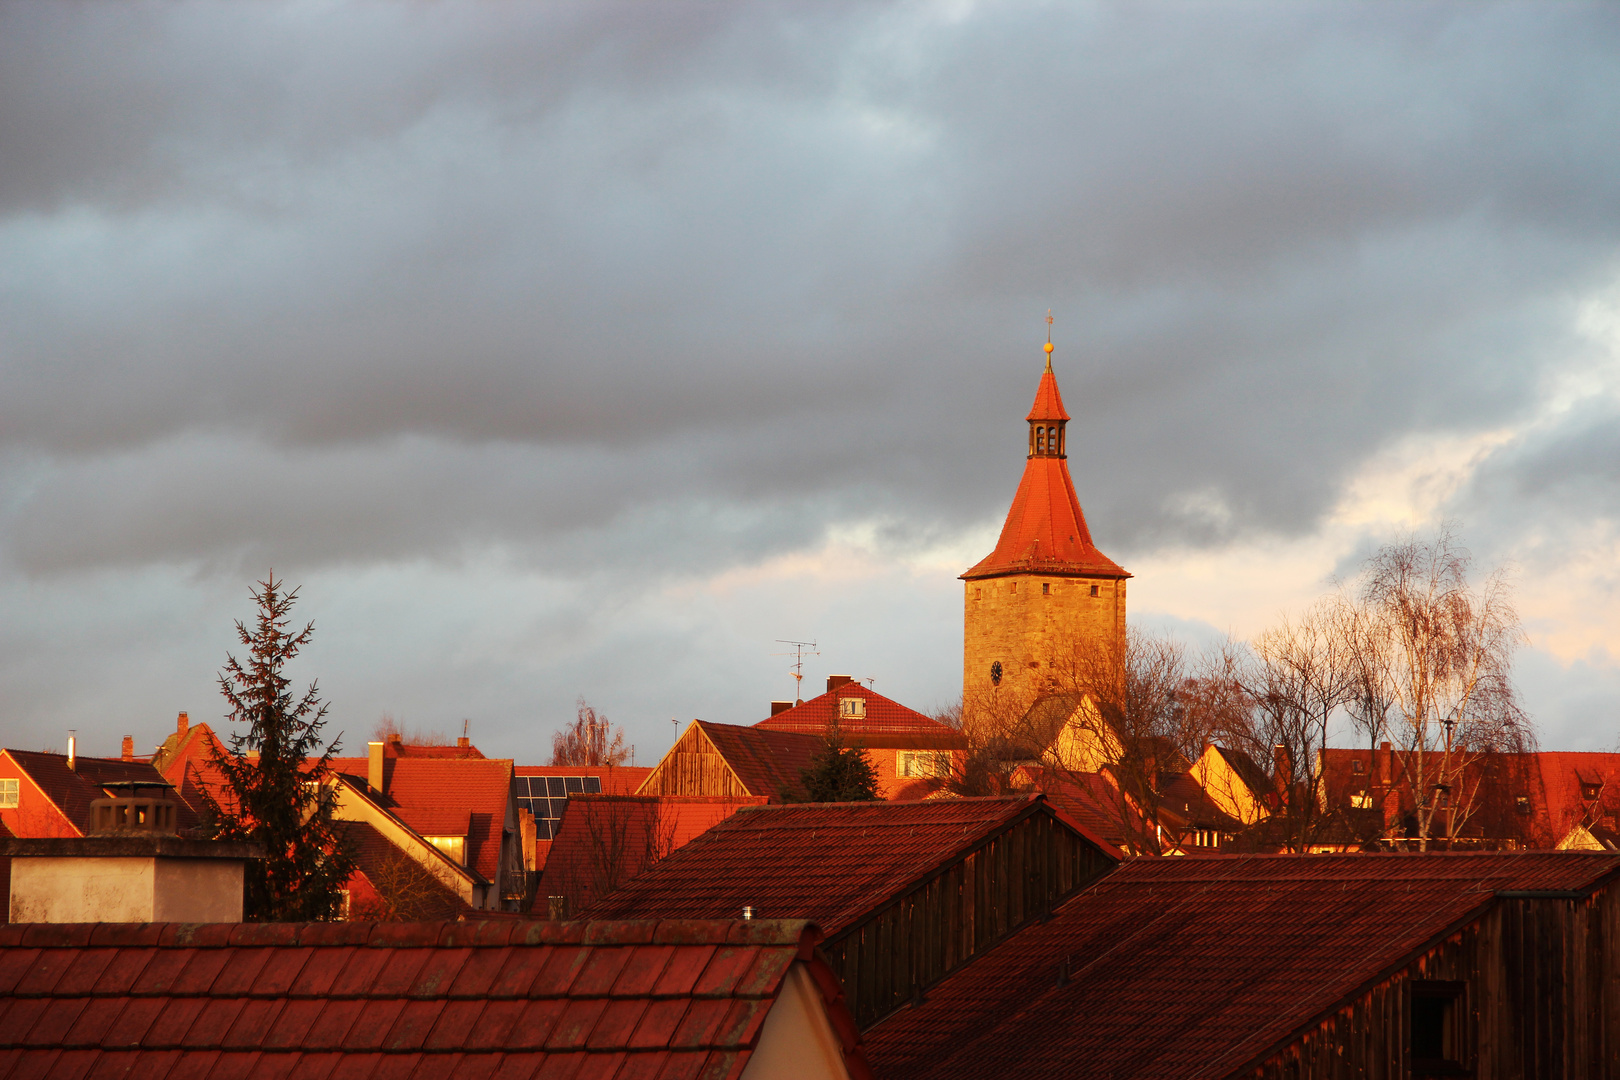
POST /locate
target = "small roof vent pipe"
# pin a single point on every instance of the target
(748, 912)
(73, 747)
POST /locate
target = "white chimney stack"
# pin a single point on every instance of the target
(73, 745)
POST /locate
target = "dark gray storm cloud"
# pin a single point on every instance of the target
(671, 287)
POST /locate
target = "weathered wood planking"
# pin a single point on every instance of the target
(1541, 999)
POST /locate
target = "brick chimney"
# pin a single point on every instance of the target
(1283, 762)
(835, 681)
(129, 748)
(181, 724)
(374, 769)
(462, 740)
(780, 707)
(1386, 765)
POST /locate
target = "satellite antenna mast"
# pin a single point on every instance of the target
(801, 649)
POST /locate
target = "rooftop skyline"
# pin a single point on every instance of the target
(590, 350)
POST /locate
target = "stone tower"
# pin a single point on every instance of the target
(1046, 598)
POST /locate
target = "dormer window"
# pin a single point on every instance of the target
(453, 846)
(852, 708)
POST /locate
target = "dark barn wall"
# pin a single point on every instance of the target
(1011, 879)
(1540, 999)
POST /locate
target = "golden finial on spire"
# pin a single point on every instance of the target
(1048, 339)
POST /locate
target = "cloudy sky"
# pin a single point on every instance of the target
(562, 350)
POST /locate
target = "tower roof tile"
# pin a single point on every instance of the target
(1046, 531)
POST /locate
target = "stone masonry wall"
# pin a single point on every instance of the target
(1013, 620)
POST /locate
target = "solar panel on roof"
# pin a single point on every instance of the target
(547, 796)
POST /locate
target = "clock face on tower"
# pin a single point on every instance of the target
(995, 673)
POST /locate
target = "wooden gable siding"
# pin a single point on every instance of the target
(1012, 878)
(694, 767)
(1541, 998)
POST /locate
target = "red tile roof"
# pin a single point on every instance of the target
(1090, 799)
(832, 863)
(72, 790)
(389, 884)
(437, 820)
(606, 840)
(480, 786)
(1048, 402)
(505, 1000)
(1045, 530)
(1197, 966)
(884, 718)
(186, 760)
(765, 762)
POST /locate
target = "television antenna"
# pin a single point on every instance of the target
(801, 649)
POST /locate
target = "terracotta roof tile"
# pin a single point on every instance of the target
(765, 762)
(1045, 530)
(607, 839)
(303, 1002)
(1190, 967)
(881, 717)
(828, 862)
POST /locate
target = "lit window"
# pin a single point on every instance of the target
(922, 764)
(8, 793)
(453, 846)
(852, 708)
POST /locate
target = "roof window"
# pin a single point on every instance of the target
(852, 708)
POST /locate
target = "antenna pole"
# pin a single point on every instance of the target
(801, 649)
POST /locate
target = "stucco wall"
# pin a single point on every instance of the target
(198, 890)
(136, 889)
(797, 1041)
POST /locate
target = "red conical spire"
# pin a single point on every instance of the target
(1046, 531)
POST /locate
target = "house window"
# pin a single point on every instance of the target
(1046, 588)
(1361, 801)
(453, 846)
(8, 793)
(922, 764)
(1438, 1034)
(852, 708)
(1094, 590)
(1522, 805)
(1358, 766)
(1590, 791)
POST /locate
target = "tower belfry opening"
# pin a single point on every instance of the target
(1017, 641)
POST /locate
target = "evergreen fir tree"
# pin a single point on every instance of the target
(277, 789)
(839, 772)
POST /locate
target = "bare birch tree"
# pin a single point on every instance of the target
(1297, 676)
(590, 740)
(1446, 672)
